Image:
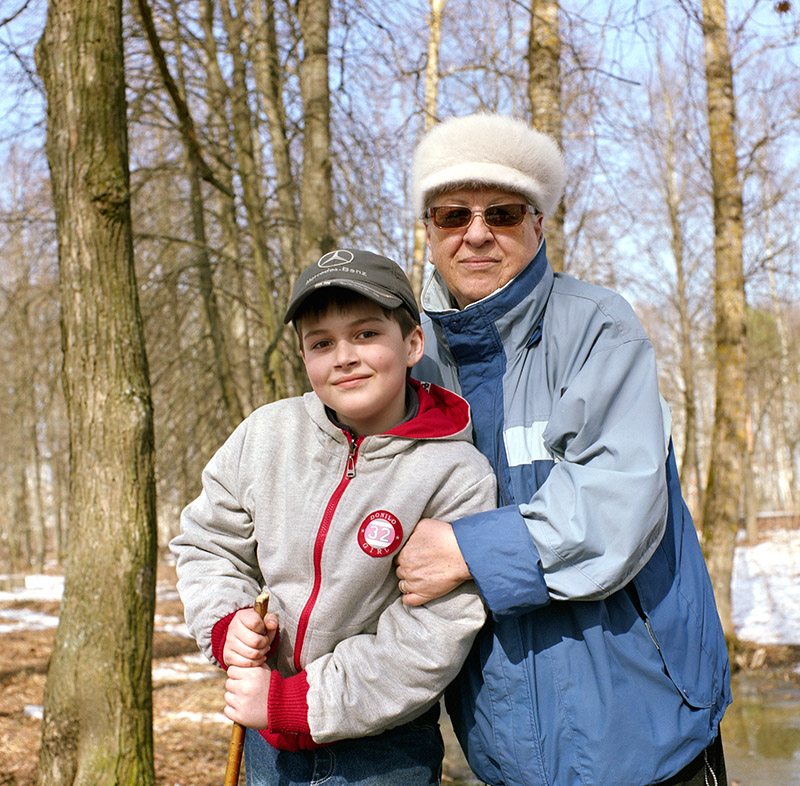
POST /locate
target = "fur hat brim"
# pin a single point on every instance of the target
(488, 150)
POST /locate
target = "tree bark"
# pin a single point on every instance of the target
(316, 189)
(431, 114)
(728, 443)
(97, 725)
(269, 78)
(690, 476)
(544, 93)
(222, 360)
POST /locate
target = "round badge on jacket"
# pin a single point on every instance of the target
(380, 533)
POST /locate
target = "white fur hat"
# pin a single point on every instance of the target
(486, 149)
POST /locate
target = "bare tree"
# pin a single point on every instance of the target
(98, 699)
(435, 19)
(544, 92)
(728, 443)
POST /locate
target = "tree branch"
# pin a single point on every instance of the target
(181, 108)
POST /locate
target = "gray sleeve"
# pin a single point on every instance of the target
(216, 550)
(601, 512)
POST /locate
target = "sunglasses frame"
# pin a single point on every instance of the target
(430, 214)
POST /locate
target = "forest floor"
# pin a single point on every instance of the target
(191, 735)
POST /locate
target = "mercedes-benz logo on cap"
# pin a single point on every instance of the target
(336, 258)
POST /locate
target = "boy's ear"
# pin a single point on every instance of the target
(416, 346)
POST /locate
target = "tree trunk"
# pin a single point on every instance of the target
(728, 444)
(97, 725)
(784, 456)
(19, 535)
(690, 476)
(269, 78)
(749, 485)
(270, 83)
(219, 344)
(251, 178)
(431, 113)
(245, 370)
(316, 190)
(544, 93)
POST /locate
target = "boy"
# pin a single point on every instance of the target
(312, 497)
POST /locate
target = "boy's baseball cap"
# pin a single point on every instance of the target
(377, 278)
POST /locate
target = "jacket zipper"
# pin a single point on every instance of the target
(319, 543)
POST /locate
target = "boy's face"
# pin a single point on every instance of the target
(356, 360)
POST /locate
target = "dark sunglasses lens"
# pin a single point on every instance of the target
(451, 217)
(504, 215)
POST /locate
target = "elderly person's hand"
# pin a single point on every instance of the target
(430, 564)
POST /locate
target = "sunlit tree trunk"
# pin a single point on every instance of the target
(19, 535)
(690, 476)
(316, 192)
(219, 342)
(786, 471)
(245, 369)
(431, 116)
(544, 93)
(728, 443)
(270, 80)
(97, 725)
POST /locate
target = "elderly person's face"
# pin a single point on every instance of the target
(478, 259)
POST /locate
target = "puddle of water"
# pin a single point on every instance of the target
(761, 733)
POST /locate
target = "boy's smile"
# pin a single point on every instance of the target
(356, 360)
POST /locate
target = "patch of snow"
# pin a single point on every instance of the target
(33, 711)
(196, 717)
(764, 594)
(174, 625)
(35, 587)
(166, 591)
(188, 668)
(764, 589)
(25, 619)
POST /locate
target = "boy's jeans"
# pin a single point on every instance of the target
(409, 755)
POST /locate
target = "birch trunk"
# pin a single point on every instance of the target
(728, 443)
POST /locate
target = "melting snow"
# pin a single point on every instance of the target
(765, 598)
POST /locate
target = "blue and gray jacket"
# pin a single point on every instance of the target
(604, 660)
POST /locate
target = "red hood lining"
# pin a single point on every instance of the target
(441, 413)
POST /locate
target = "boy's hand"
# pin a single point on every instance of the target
(247, 694)
(430, 563)
(249, 639)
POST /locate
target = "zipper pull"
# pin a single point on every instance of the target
(350, 472)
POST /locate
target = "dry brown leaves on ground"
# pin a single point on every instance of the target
(191, 735)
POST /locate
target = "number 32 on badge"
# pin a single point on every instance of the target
(380, 534)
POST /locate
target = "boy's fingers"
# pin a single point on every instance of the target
(252, 621)
(271, 622)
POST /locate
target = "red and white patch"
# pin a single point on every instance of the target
(380, 534)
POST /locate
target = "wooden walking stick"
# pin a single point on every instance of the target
(236, 747)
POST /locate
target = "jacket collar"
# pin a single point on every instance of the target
(516, 310)
(440, 414)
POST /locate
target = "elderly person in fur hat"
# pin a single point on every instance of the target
(604, 660)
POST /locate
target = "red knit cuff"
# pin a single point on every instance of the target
(288, 714)
(288, 704)
(218, 635)
(290, 742)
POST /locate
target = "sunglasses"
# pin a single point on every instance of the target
(495, 216)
